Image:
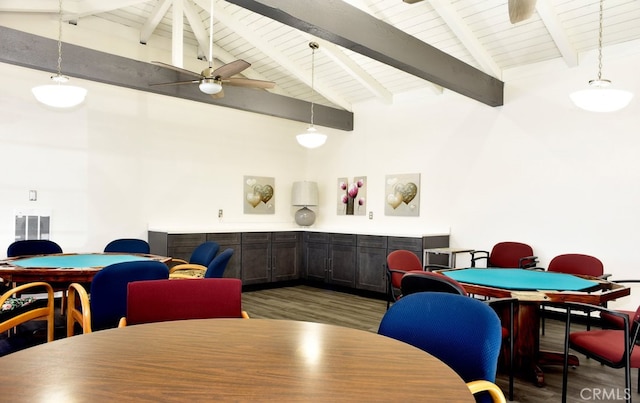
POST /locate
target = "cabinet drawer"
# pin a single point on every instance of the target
(396, 242)
(252, 237)
(285, 236)
(372, 241)
(343, 239)
(190, 240)
(435, 241)
(225, 238)
(316, 237)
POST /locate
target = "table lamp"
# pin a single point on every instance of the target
(304, 194)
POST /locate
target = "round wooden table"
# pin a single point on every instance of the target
(229, 359)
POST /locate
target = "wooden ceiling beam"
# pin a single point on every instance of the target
(353, 29)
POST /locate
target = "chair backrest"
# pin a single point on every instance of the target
(128, 245)
(463, 332)
(204, 253)
(575, 263)
(216, 268)
(400, 261)
(202, 298)
(414, 282)
(508, 255)
(109, 289)
(33, 247)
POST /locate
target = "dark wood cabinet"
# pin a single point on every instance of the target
(372, 261)
(316, 256)
(342, 260)
(270, 257)
(229, 240)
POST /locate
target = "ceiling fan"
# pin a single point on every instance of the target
(519, 10)
(210, 80)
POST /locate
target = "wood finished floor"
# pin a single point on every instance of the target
(306, 303)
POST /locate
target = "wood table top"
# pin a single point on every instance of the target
(229, 359)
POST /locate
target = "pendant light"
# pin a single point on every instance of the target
(58, 94)
(599, 97)
(311, 138)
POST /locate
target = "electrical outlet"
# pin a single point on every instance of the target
(220, 213)
(33, 195)
(371, 215)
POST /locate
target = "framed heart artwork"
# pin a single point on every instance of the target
(402, 195)
(259, 196)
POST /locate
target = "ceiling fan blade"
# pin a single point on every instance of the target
(178, 69)
(520, 10)
(231, 69)
(175, 83)
(247, 82)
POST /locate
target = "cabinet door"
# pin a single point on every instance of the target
(181, 246)
(371, 273)
(230, 240)
(342, 265)
(286, 256)
(256, 258)
(317, 260)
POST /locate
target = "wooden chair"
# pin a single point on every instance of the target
(198, 262)
(15, 310)
(165, 300)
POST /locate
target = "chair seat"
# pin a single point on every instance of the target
(605, 344)
(13, 307)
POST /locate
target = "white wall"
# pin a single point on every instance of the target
(536, 170)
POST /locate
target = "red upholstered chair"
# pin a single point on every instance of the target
(611, 347)
(165, 300)
(578, 264)
(399, 262)
(610, 321)
(507, 255)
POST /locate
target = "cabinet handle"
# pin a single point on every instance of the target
(273, 263)
(330, 265)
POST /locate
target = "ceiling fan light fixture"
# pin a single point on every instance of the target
(599, 97)
(311, 138)
(210, 86)
(58, 94)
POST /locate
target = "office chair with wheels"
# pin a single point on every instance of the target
(506, 255)
(33, 247)
(615, 348)
(470, 344)
(399, 262)
(108, 301)
(165, 300)
(128, 245)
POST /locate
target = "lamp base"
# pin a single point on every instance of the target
(305, 217)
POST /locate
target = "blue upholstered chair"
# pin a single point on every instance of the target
(128, 245)
(33, 247)
(108, 295)
(219, 264)
(197, 265)
(462, 332)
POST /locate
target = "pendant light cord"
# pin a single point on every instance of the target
(60, 38)
(313, 46)
(600, 43)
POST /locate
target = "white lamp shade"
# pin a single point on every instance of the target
(599, 98)
(304, 194)
(311, 138)
(59, 95)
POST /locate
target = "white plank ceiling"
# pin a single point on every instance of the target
(477, 32)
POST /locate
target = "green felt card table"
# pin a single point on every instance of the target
(531, 288)
(65, 267)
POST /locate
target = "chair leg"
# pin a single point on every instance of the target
(542, 319)
(565, 365)
(511, 342)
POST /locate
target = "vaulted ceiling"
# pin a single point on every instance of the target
(476, 32)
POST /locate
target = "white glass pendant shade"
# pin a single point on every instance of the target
(311, 138)
(210, 86)
(599, 98)
(59, 95)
